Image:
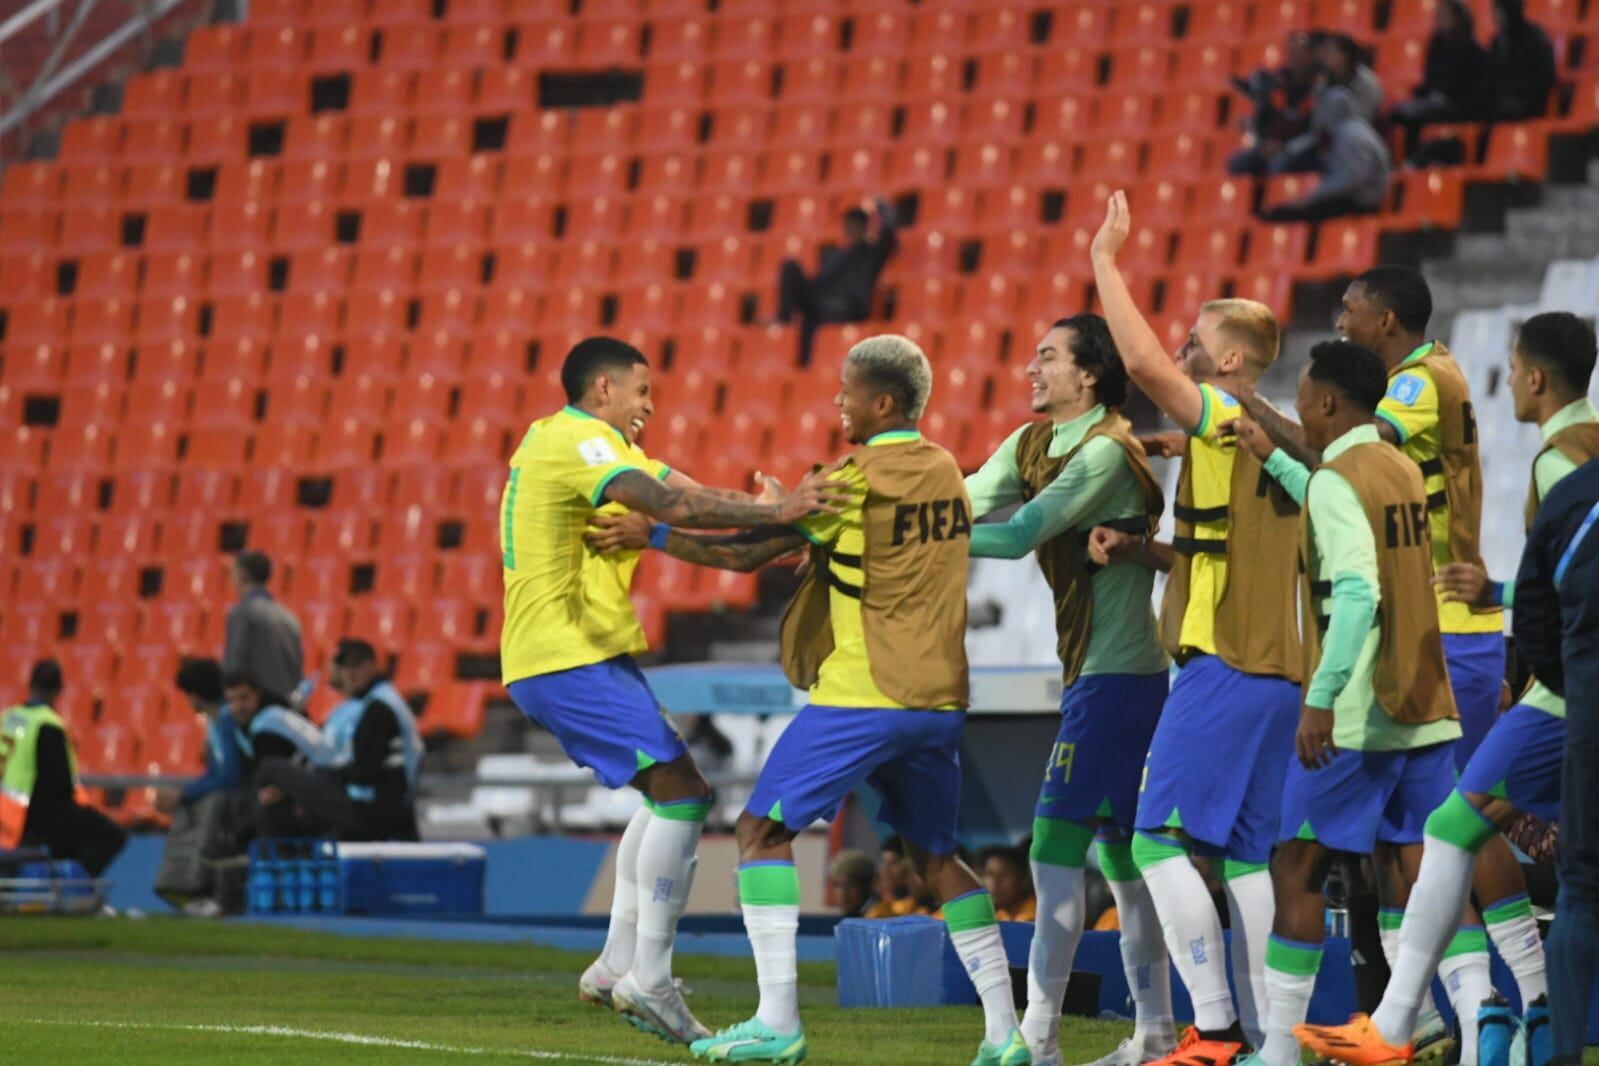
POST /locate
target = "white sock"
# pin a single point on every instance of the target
(1145, 962)
(1466, 979)
(1056, 934)
(772, 932)
(1252, 905)
(1389, 921)
(1290, 979)
(975, 934)
(1193, 934)
(1514, 932)
(617, 955)
(665, 865)
(1431, 920)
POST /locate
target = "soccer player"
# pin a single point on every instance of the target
(1080, 467)
(1375, 743)
(876, 633)
(569, 638)
(1428, 414)
(1517, 766)
(1232, 629)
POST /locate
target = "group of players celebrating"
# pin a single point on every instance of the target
(1337, 639)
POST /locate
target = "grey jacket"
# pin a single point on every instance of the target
(1354, 160)
(262, 639)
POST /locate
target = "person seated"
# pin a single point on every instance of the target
(41, 802)
(1523, 64)
(376, 749)
(851, 876)
(1354, 168)
(273, 741)
(1008, 875)
(1283, 99)
(1458, 82)
(200, 681)
(899, 890)
(842, 290)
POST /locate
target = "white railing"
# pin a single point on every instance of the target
(52, 78)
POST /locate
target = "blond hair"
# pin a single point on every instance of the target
(896, 365)
(1251, 326)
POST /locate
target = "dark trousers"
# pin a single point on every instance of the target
(1411, 115)
(1315, 211)
(1573, 946)
(75, 832)
(1573, 957)
(316, 804)
(799, 296)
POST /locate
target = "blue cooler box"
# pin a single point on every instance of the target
(411, 878)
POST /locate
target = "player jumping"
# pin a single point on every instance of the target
(1080, 467)
(1233, 630)
(569, 638)
(1517, 767)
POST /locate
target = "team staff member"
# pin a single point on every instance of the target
(269, 734)
(1427, 412)
(41, 803)
(567, 648)
(1556, 627)
(1228, 619)
(1080, 467)
(876, 633)
(367, 790)
(1376, 735)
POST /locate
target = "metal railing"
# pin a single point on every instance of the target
(56, 75)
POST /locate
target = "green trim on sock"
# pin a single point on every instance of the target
(1149, 849)
(1285, 957)
(1390, 919)
(683, 812)
(1508, 911)
(1058, 842)
(1232, 869)
(649, 804)
(1116, 861)
(1469, 940)
(1457, 822)
(769, 884)
(975, 910)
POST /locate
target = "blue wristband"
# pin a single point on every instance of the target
(1496, 593)
(658, 534)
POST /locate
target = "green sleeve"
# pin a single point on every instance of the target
(1551, 466)
(1348, 551)
(1290, 473)
(998, 482)
(1507, 593)
(1081, 491)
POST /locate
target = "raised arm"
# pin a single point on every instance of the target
(696, 507)
(1147, 361)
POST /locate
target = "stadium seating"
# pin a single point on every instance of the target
(304, 292)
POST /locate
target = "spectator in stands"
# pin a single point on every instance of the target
(1283, 100)
(841, 291)
(899, 890)
(262, 638)
(209, 813)
(851, 876)
(1343, 68)
(41, 802)
(1008, 876)
(366, 790)
(1523, 64)
(1458, 82)
(1354, 167)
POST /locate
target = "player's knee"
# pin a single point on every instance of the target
(1460, 822)
(756, 835)
(676, 781)
(1295, 865)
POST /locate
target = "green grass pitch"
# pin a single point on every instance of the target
(165, 991)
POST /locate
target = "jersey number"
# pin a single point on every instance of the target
(508, 521)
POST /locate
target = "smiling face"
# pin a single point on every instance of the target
(1200, 356)
(244, 701)
(1360, 319)
(623, 398)
(1058, 384)
(861, 408)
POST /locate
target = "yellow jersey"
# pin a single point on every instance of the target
(565, 605)
(1411, 408)
(1210, 465)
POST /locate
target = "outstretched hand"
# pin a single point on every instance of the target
(1465, 583)
(1250, 436)
(608, 533)
(817, 493)
(1113, 231)
(1167, 444)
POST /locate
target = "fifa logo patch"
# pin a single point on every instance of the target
(974, 964)
(1196, 948)
(663, 890)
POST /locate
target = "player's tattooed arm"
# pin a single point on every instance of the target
(695, 508)
(1284, 432)
(746, 551)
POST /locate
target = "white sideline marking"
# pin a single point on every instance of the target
(363, 1039)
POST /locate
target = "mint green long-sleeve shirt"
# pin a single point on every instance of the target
(1097, 486)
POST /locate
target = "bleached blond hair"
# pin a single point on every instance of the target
(896, 365)
(1250, 325)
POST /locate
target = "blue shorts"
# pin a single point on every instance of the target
(1106, 722)
(1519, 761)
(1216, 763)
(1477, 673)
(604, 716)
(911, 758)
(1367, 797)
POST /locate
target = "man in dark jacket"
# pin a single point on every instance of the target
(841, 291)
(1523, 64)
(1556, 627)
(262, 638)
(1457, 84)
(1283, 99)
